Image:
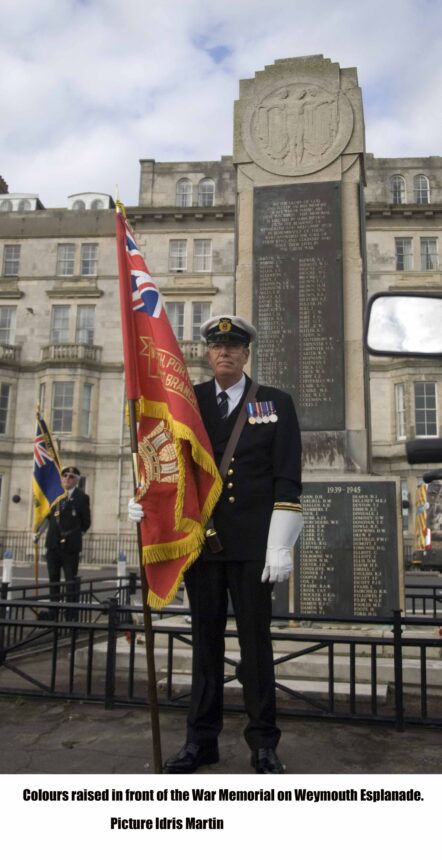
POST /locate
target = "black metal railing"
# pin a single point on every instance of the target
(101, 657)
(102, 549)
(26, 603)
(423, 600)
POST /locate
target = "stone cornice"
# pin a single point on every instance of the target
(403, 211)
(36, 366)
(160, 215)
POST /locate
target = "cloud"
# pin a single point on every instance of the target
(95, 85)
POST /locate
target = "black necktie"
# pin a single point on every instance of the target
(223, 404)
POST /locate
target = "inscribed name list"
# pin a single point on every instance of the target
(297, 298)
(347, 562)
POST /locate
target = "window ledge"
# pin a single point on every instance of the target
(184, 289)
(73, 287)
(9, 288)
(417, 280)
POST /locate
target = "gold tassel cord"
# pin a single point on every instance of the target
(175, 549)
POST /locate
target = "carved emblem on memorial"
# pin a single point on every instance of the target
(297, 128)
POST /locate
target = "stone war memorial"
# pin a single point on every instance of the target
(301, 278)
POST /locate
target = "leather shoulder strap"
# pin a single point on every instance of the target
(236, 432)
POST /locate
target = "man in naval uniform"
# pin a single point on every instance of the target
(258, 520)
(67, 524)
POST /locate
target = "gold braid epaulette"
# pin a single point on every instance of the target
(288, 506)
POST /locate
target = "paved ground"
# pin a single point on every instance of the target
(61, 737)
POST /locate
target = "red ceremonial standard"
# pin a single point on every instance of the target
(180, 483)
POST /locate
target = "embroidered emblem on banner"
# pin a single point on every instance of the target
(158, 453)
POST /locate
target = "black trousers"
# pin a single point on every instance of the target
(58, 560)
(208, 584)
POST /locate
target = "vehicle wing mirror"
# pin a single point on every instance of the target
(424, 450)
(403, 324)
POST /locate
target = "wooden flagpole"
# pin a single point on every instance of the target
(147, 615)
(36, 562)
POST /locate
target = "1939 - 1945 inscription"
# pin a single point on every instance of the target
(297, 298)
(347, 561)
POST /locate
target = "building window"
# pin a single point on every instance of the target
(97, 204)
(85, 324)
(175, 312)
(86, 409)
(4, 405)
(11, 260)
(397, 185)
(177, 255)
(421, 189)
(184, 192)
(202, 255)
(425, 408)
(206, 192)
(6, 206)
(65, 260)
(399, 396)
(89, 256)
(42, 396)
(7, 324)
(60, 324)
(429, 255)
(62, 406)
(79, 205)
(404, 255)
(24, 205)
(200, 313)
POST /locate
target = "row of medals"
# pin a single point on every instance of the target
(262, 413)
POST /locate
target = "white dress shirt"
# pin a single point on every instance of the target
(234, 393)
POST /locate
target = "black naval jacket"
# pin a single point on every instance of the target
(68, 522)
(266, 469)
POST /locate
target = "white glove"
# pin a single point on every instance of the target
(285, 528)
(135, 512)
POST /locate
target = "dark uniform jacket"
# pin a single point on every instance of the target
(266, 469)
(70, 519)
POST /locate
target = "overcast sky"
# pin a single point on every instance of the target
(88, 87)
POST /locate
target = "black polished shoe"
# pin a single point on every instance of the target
(265, 760)
(191, 757)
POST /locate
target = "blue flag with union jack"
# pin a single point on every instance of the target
(47, 488)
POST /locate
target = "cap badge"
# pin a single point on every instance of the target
(225, 324)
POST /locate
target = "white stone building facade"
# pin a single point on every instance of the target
(60, 332)
(404, 234)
